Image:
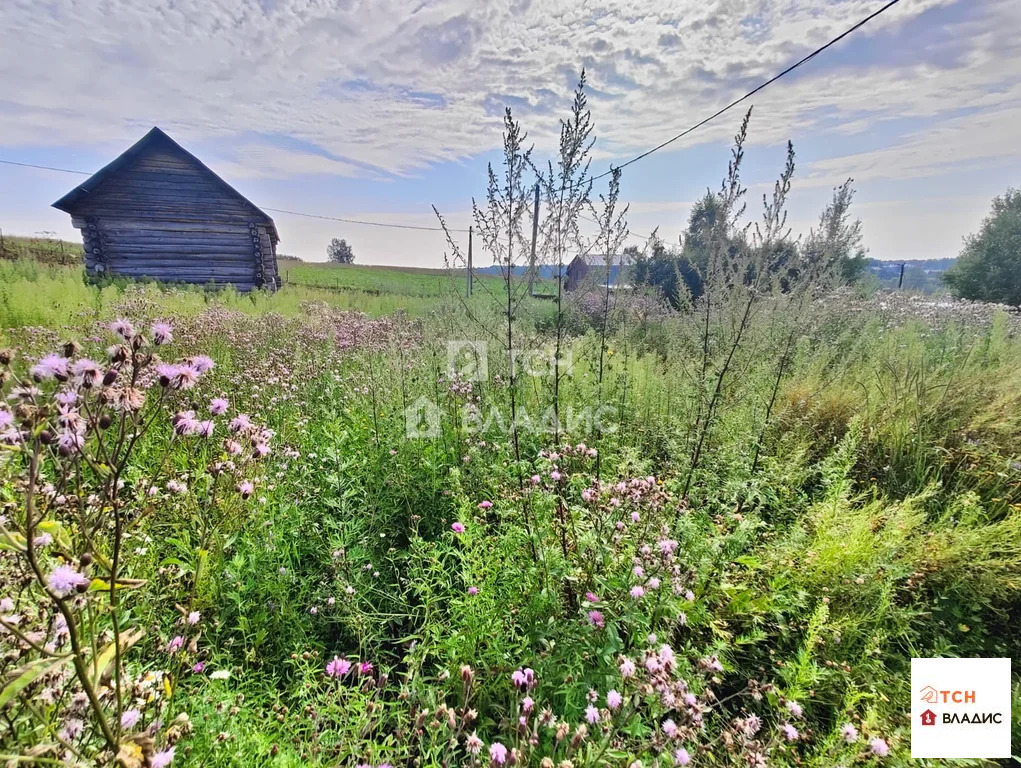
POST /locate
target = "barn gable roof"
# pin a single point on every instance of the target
(154, 139)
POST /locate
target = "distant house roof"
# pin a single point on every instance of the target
(598, 259)
(154, 139)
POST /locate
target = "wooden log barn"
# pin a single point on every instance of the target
(158, 212)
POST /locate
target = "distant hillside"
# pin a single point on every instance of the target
(921, 275)
(44, 249)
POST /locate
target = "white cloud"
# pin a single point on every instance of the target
(365, 88)
(400, 85)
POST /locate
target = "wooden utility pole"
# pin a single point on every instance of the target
(468, 282)
(535, 236)
(900, 282)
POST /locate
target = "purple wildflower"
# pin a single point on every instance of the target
(497, 753)
(338, 667)
(613, 699)
(849, 733)
(129, 718)
(175, 645)
(591, 714)
(163, 759)
(218, 406)
(596, 617)
(50, 367)
(879, 747)
(63, 579)
(789, 732)
(124, 329)
(201, 363)
(681, 756)
(457, 527)
(162, 333)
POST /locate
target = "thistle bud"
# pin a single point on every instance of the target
(110, 377)
(85, 559)
(5, 356)
(70, 349)
(105, 421)
(46, 437)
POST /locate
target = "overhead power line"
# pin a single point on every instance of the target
(265, 208)
(634, 159)
(752, 92)
(45, 167)
(360, 221)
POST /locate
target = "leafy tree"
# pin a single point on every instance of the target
(989, 267)
(838, 240)
(665, 270)
(339, 252)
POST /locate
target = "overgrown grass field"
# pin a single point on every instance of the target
(341, 528)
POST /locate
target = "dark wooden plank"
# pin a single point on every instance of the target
(202, 224)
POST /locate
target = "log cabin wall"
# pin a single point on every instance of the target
(161, 214)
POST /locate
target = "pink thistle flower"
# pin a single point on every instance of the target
(681, 756)
(635, 517)
(669, 728)
(338, 667)
(849, 733)
(218, 406)
(596, 618)
(457, 527)
(592, 597)
(637, 591)
(527, 704)
(163, 759)
(591, 714)
(64, 579)
(555, 476)
(162, 332)
(613, 699)
(129, 718)
(87, 372)
(66, 398)
(197, 669)
(240, 422)
(246, 488)
(473, 743)
(627, 668)
(261, 450)
(194, 617)
(185, 423)
(497, 753)
(794, 708)
(473, 590)
(789, 732)
(485, 505)
(365, 668)
(536, 479)
(879, 747)
(176, 644)
(653, 583)
(123, 328)
(50, 367)
(201, 363)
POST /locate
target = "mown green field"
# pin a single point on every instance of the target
(345, 544)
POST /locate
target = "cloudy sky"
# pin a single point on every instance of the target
(377, 109)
